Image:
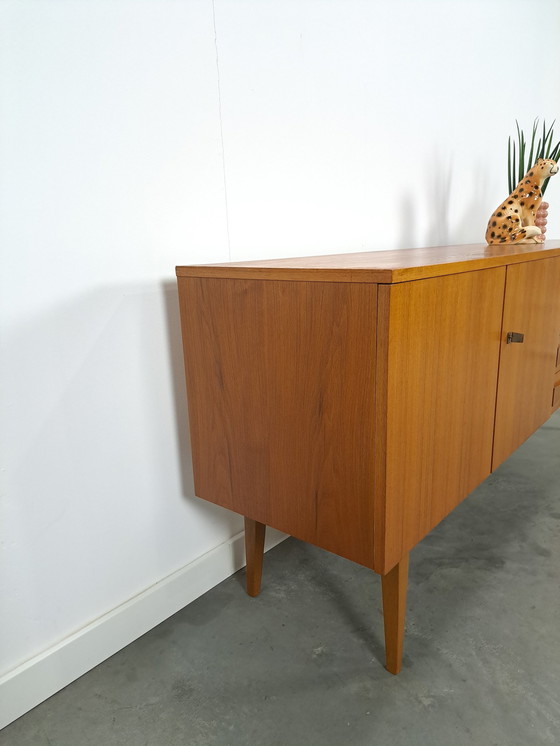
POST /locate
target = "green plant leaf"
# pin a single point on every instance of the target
(510, 178)
(538, 153)
(541, 154)
(518, 147)
(548, 141)
(531, 162)
(520, 151)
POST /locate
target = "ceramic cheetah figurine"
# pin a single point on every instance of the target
(514, 220)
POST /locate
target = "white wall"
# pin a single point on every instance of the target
(135, 136)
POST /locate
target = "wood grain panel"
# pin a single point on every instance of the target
(255, 533)
(436, 389)
(394, 586)
(556, 396)
(379, 266)
(527, 370)
(280, 379)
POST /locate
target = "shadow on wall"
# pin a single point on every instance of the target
(207, 510)
(471, 226)
(99, 497)
(177, 369)
(439, 177)
(436, 204)
(407, 223)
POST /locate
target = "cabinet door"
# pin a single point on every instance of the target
(527, 368)
(437, 368)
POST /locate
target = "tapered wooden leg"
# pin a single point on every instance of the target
(394, 586)
(254, 550)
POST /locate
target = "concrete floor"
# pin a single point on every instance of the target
(302, 665)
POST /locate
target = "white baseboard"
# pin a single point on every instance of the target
(39, 678)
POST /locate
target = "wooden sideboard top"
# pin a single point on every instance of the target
(399, 265)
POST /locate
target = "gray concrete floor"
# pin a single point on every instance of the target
(302, 665)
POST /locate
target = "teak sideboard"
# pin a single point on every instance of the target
(354, 400)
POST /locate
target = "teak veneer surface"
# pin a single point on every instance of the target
(354, 400)
(436, 389)
(532, 308)
(399, 265)
(279, 378)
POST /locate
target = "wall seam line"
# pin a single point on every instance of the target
(221, 126)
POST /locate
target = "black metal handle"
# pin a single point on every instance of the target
(514, 337)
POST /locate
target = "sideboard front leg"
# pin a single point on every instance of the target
(394, 586)
(254, 550)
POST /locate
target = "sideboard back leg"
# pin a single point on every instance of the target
(394, 586)
(254, 550)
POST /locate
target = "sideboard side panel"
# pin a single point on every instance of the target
(280, 380)
(440, 364)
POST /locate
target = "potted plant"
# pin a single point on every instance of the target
(521, 158)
